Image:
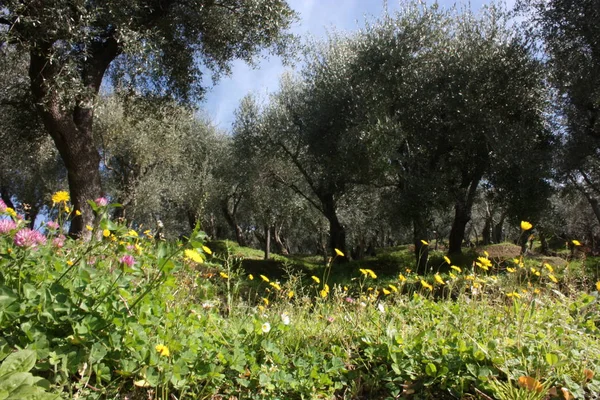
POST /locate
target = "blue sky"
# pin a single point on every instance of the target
(316, 18)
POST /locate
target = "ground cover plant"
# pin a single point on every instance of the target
(126, 316)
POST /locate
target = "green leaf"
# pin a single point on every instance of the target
(431, 370)
(21, 361)
(551, 359)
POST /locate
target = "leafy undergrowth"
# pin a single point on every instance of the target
(125, 317)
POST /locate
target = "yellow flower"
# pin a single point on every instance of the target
(447, 260)
(514, 294)
(290, 294)
(314, 278)
(162, 350)
(426, 285)
(535, 271)
(425, 243)
(439, 279)
(339, 253)
(69, 263)
(526, 225)
(368, 272)
(266, 301)
(469, 277)
(264, 278)
(132, 233)
(60, 197)
(275, 285)
(576, 242)
(148, 232)
(394, 288)
(10, 211)
(89, 228)
(548, 267)
(485, 253)
(251, 277)
(77, 213)
(401, 278)
(598, 286)
(67, 209)
(457, 269)
(386, 292)
(553, 278)
(224, 275)
(193, 255)
(206, 250)
(452, 275)
(106, 233)
(482, 266)
(484, 261)
(510, 269)
(324, 293)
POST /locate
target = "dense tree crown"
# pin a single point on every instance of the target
(426, 124)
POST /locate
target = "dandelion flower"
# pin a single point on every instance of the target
(132, 233)
(598, 286)
(224, 275)
(206, 250)
(401, 278)
(251, 277)
(553, 278)
(457, 269)
(514, 294)
(316, 279)
(425, 243)
(60, 197)
(290, 294)
(548, 267)
(371, 274)
(394, 288)
(486, 254)
(426, 285)
(511, 270)
(264, 278)
(89, 228)
(106, 233)
(452, 275)
(324, 293)
(266, 327)
(386, 292)
(193, 255)
(67, 209)
(576, 242)
(525, 226)
(447, 260)
(10, 211)
(266, 301)
(275, 285)
(439, 279)
(162, 350)
(339, 252)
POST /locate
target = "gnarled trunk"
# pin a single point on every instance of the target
(337, 231)
(462, 215)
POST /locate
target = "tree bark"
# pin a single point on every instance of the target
(281, 248)
(337, 231)
(462, 216)
(497, 231)
(267, 242)
(231, 219)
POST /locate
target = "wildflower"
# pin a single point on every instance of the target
(290, 294)
(548, 267)
(266, 327)
(316, 279)
(525, 226)
(128, 260)
(469, 277)
(535, 271)
(89, 228)
(132, 233)
(457, 269)
(52, 225)
(345, 288)
(553, 278)
(60, 197)
(285, 318)
(264, 278)
(425, 243)
(486, 254)
(371, 274)
(59, 241)
(426, 285)
(511, 270)
(447, 260)
(11, 212)
(394, 288)
(275, 285)
(101, 202)
(408, 270)
(2, 206)
(598, 286)
(251, 277)
(576, 242)
(439, 279)
(452, 275)
(401, 278)
(339, 252)
(105, 233)
(7, 225)
(349, 300)
(206, 250)
(514, 294)
(266, 301)
(330, 319)
(530, 383)
(386, 292)
(193, 255)
(224, 275)
(77, 213)
(29, 238)
(162, 350)
(67, 209)
(324, 293)
(381, 308)
(70, 263)
(483, 263)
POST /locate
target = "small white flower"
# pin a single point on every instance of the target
(381, 307)
(285, 318)
(266, 327)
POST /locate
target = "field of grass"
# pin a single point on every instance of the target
(126, 317)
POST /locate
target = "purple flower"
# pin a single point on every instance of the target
(7, 225)
(128, 260)
(29, 238)
(2, 205)
(101, 201)
(52, 224)
(59, 241)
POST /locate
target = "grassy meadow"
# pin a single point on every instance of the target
(126, 316)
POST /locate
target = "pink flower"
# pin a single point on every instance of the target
(59, 241)
(7, 225)
(52, 224)
(101, 201)
(128, 260)
(2, 205)
(29, 238)
(349, 300)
